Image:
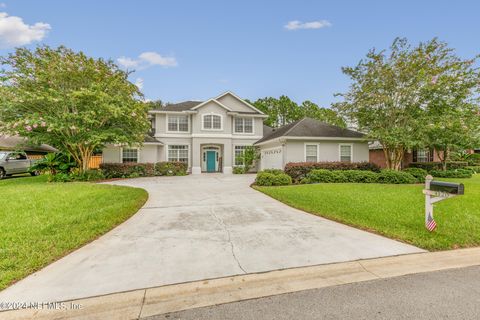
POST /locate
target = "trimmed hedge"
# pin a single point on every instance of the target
(457, 173)
(358, 176)
(395, 177)
(474, 169)
(272, 178)
(430, 166)
(418, 173)
(133, 170)
(300, 170)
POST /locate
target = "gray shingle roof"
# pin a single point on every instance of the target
(308, 127)
(151, 139)
(182, 106)
(20, 143)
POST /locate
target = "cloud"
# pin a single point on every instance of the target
(139, 83)
(296, 25)
(146, 60)
(14, 32)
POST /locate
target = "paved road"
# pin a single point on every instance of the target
(199, 227)
(451, 294)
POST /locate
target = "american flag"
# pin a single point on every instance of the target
(430, 224)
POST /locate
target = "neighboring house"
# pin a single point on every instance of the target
(210, 135)
(377, 156)
(19, 143)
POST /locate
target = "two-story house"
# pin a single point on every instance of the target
(210, 135)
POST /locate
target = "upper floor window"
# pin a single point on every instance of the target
(212, 122)
(243, 125)
(346, 152)
(178, 123)
(129, 155)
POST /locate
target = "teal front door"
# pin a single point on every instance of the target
(211, 159)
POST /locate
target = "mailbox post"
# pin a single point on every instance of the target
(436, 191)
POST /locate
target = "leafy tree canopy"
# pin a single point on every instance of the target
(403, 97)
(70, 101)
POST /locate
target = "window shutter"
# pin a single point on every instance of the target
(414, 155)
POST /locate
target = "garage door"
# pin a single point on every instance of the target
(272, 158)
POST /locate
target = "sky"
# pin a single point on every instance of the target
(195, 50)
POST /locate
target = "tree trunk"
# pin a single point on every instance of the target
(393, 158)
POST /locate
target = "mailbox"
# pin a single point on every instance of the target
(448, 187)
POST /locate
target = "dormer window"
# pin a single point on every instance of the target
(243, 125)
(212, 122)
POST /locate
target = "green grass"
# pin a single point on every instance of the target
(396, 211)
(40, 222)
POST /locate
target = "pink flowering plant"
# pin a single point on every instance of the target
(73, 102)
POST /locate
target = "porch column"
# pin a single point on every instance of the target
(196, 165)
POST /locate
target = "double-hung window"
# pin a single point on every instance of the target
(178, 153)
(177, 123)
(346, 153)
(311, 152)
(243, 125)
(129, 155)
(238, 153)
(212, 122)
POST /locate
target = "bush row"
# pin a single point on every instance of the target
(133, 170)
(272, 177)
(358, 176)
(457, 173)
(299, 170)
(430, 166)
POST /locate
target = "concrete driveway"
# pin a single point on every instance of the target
(199, 227)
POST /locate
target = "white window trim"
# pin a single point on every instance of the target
(340, 148)
(305, 150)
(178, 144)
(244, 133)
(234, 157)
(212, 114)
(176, 115)
(138, 154)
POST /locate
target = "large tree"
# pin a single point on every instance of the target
(283, 111)
(394, 95)
(69, 100)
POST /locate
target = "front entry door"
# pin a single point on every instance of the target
(211, 160)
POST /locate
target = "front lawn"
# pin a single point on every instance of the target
(41, 222)
(396, 211)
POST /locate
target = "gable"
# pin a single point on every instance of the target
(235, 104)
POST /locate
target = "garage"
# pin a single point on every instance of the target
(272, 158)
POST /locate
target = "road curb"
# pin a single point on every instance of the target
(171, 298)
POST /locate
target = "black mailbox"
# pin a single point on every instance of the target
(448, 187)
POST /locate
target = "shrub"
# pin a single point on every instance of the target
(274, 171)
(323, 176)
(127, 170)
(270, 179)
(473, 159)
(171, 168)
(456, 164)
(59, 177)
(474, 169)
(359, 176)
(418, 173)
(54, 163)
(427, 166)
(395, 177)
(457, 173)
(89, 175)
(238, 170)
(299, 170)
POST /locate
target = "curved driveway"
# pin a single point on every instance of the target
(199, 227)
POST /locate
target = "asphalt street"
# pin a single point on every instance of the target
(451, 294)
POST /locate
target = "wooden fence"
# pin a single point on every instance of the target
(94, 163)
